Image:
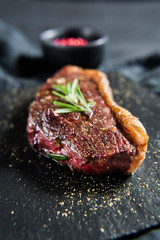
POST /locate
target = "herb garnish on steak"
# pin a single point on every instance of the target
(71, 94)
(106, 140)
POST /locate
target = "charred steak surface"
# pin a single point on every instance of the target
(94, 145)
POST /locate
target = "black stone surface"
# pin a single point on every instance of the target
(42, 200)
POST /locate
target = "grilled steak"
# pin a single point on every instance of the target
(109, 140)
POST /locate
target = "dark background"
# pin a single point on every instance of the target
(133, 27)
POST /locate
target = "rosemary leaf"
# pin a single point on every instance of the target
(81, 98)
(61, 88)
(58, 94)
(68, 110)
(57, 156)
(66, 105)
(71, 93)
(74, 90)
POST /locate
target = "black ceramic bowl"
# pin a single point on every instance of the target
(88, 56)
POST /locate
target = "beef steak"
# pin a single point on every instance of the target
(111, 139)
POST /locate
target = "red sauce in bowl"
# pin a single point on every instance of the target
(71, 42)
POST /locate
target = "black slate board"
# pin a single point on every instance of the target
(41, 200)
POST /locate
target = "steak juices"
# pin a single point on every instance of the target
(93, 134)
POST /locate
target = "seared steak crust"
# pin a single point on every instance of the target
(99, 144)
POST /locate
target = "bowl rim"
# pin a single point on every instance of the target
(45, 35)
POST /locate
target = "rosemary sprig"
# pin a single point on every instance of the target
(56, 156)
(72, 94)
